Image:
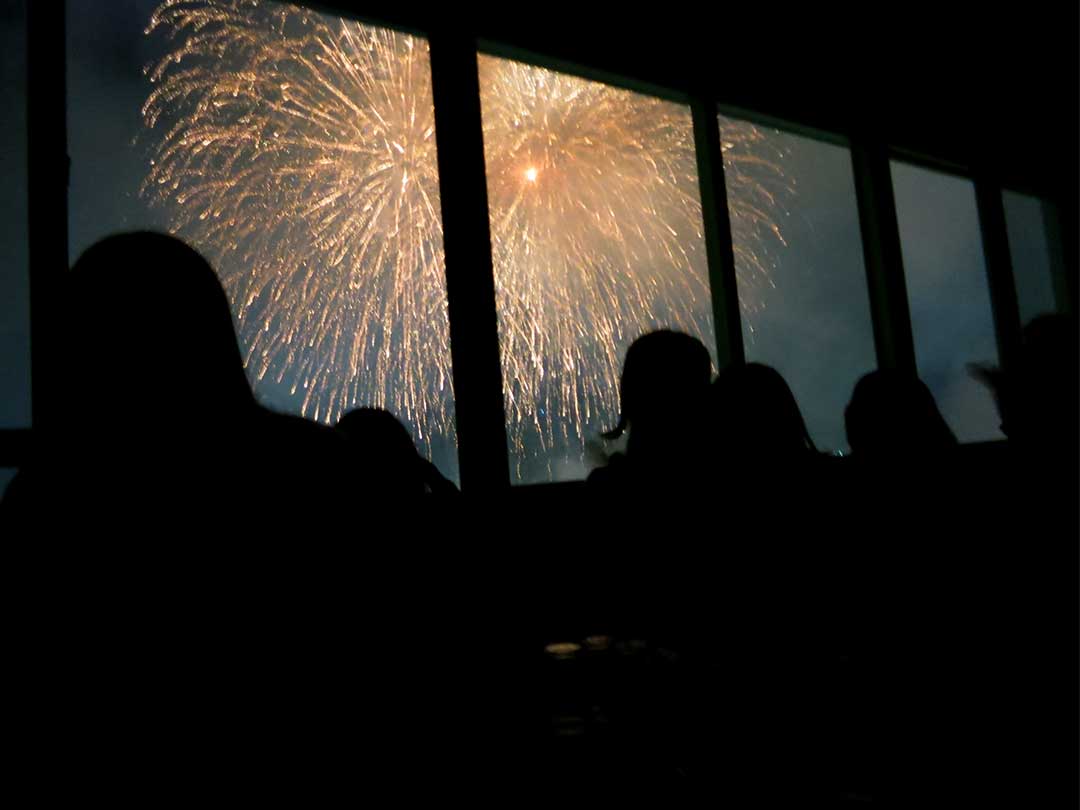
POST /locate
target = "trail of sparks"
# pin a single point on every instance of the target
(297, 151)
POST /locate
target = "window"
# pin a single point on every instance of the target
(597, 238)
(948, 293)
(296, 151)
(1033, 243)
(799, 268)
(6, 476)
(14, 256)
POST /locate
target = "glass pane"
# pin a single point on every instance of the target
(597, 238)
(1032, 225)
(14, 256)
(948, 293)
(799, 267)
(296, 150)
(6, 475)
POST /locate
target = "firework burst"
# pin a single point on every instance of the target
(298, 152)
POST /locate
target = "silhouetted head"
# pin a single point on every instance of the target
(664, 379)
(378, 430)
(1037, 398)
(757, 416)
(894, 414)
(152, 335)
(388, 458)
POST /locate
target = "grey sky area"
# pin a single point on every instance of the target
(1031, 224)
(948, 295)
(811, 320)
(14, 275)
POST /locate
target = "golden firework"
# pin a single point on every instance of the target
(297, 151)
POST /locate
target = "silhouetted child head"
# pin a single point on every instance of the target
(756, 416)
(152, 333)
(388, 459)
(1037, 397)
(378, 430)
(664, 380)
(894, 414)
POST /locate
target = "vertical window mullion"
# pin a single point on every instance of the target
(884, 261)
(999, 269)
(47, 181)
(719, 249)
(470, 285)
(1060, 251)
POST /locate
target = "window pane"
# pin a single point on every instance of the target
(14, 256)
(6, 475)
(1032, 227)
(948, 293)
(597, 237)
(799, 266)
(297, 152)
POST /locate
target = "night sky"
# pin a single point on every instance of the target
(14, 279)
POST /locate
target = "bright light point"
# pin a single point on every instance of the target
(531, 174)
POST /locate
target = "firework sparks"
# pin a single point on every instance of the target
(298, 152)
(602, 243)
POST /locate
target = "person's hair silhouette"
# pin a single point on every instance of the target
(160, 407)
(1037, 396)
(894, 414)
(756, 415)
(387, 458)
(661, 371)
(153, 335)
(662, 391)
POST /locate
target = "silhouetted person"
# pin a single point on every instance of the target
(1037, 397)
(893, 415)
(756, 418)
(200, 597)
(771, 475)
(386, 456)
(767, 468)
(1004, 540)
(902, 482)
(662, 391)
(162, 424)
(654, 490)
(1038, 401)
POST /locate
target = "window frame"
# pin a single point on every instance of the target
(482, 448)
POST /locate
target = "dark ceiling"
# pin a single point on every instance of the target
(993, 84)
